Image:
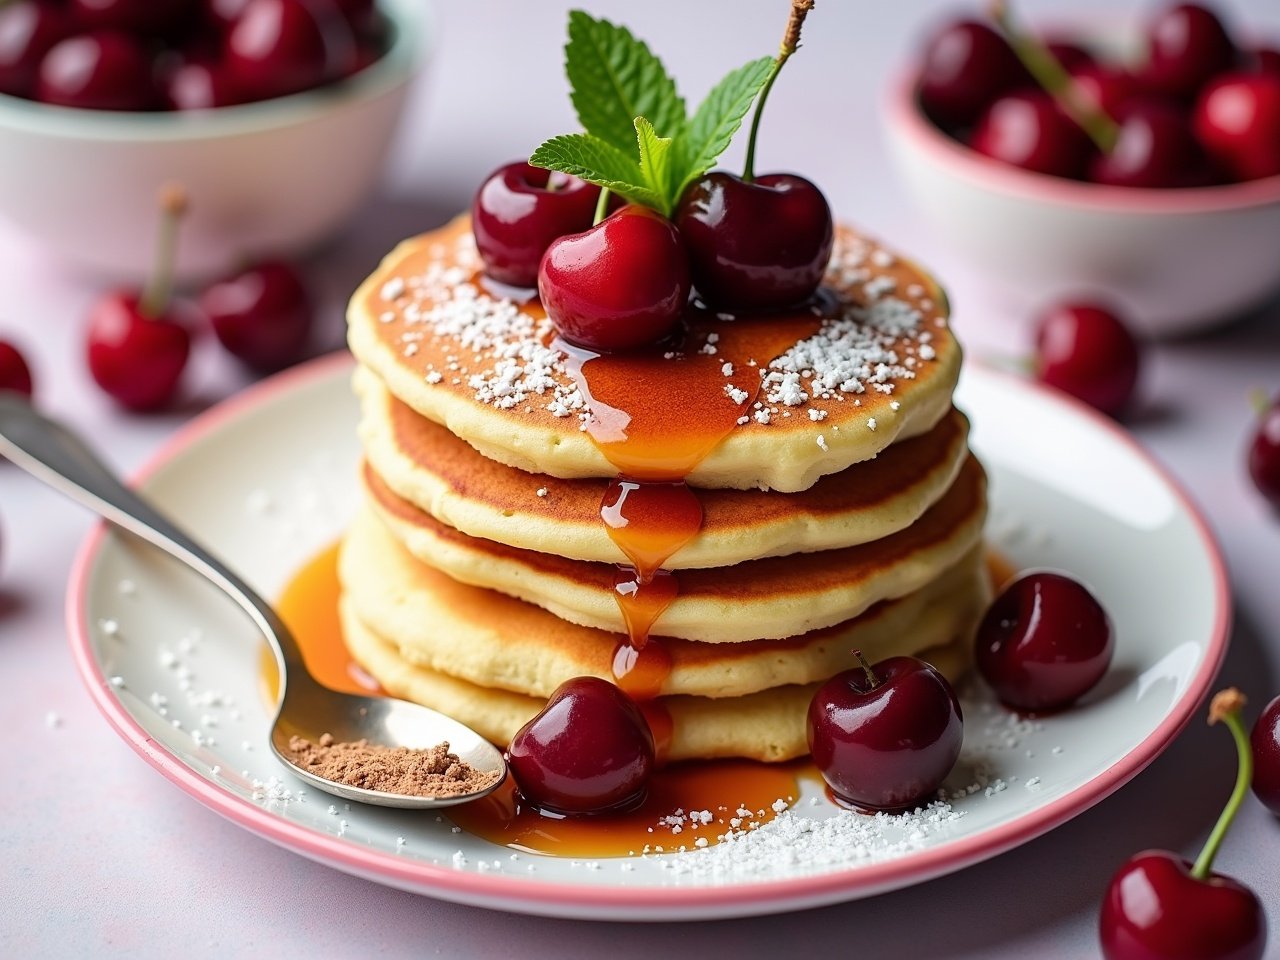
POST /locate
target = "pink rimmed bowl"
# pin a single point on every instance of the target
(1176, 261)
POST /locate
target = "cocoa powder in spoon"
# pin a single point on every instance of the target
(433, 772)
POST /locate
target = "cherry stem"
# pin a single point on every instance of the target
(602, 206)
(1260, 402)
(155, 295)
(790, 43)
(1226, 707)
(1047, 71)
(872, 679)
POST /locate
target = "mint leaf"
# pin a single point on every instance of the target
(718, 118)
(587, 156)
(614, 78)
(655, 161)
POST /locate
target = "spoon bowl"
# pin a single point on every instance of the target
(305, 708)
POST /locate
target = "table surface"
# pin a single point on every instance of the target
(102, 857)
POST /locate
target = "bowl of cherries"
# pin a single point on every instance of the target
(1141, 164)
(275, 115)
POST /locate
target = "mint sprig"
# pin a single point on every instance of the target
(639, 142)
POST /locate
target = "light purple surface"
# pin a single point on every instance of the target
(101, 857)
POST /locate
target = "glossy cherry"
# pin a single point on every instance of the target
(98, 71)
(589, 750)
(1110, 88)
(197, 84)
(1154, 148)
(1264, 453)
(762, 244)
(28, 29)
(1028, 130)
(1070, 56)
(147, 17)
(1159, 906)
(224, 13)
(138, 342)
(1085, 350)
(885, 737)
(620, 285)
(519, 210)
(1237, 119)
(1265, 743)
(966, 66)
(1044, 642)
(1186, 45)
(262, 315)
(278, 47)
(15, 374)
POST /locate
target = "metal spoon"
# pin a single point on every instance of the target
(52, 453)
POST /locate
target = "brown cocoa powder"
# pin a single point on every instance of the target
(433, 772)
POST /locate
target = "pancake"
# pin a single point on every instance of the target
(428, 466)
(768, 726)
(498, 641)
(761, 599)
(818, 390)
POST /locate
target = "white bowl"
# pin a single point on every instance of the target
(275, 177)
(1175, 260)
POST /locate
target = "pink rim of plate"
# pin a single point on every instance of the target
(524, 895)
(904, 113)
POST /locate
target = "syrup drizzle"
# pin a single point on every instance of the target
(656, 416)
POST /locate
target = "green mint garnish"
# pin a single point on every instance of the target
(639, 143)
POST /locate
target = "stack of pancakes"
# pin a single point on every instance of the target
(842, 511)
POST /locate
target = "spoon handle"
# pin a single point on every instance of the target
(54, 454)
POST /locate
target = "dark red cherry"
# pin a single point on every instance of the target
(1154, 908)
(262, 315)
(1237, 120)
(1044, 642)
(1085, 350)
(1264, 454)
(1265, 60)
(1070, 56)
(762, 244)
(519, 210)
(146, 17)
(590, 750)
(98, 71)
(28, 28)
(620, 285)
(278, 47)
(1154, 148)
(966, 66)
(1265, 741)
(885, 737)
(1110, 88)
(1186, 45)
(15, 375)
(1028, 130)
(224, 13)
(198, 84)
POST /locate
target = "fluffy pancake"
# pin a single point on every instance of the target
(768, 726)
(428, 466)
(760, 599)
(498, 641)
(878, 366)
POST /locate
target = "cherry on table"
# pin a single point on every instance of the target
(1159, 905)
(1264, 452)
(107, 70)
(885, 737)
(620, 285)
(1154, 148)
(589, 750)
(1237, 120)
(1265, 743)
(1044, 642)
(28, 29)
(966, 66)
(759, 244)
(519, 210)
(1028, 130)
(137, 343)
(15, 374)
(1084, 349)
(278, 47)
(262, 315)
(1186, 46)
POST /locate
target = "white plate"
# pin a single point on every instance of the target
(269, 479)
